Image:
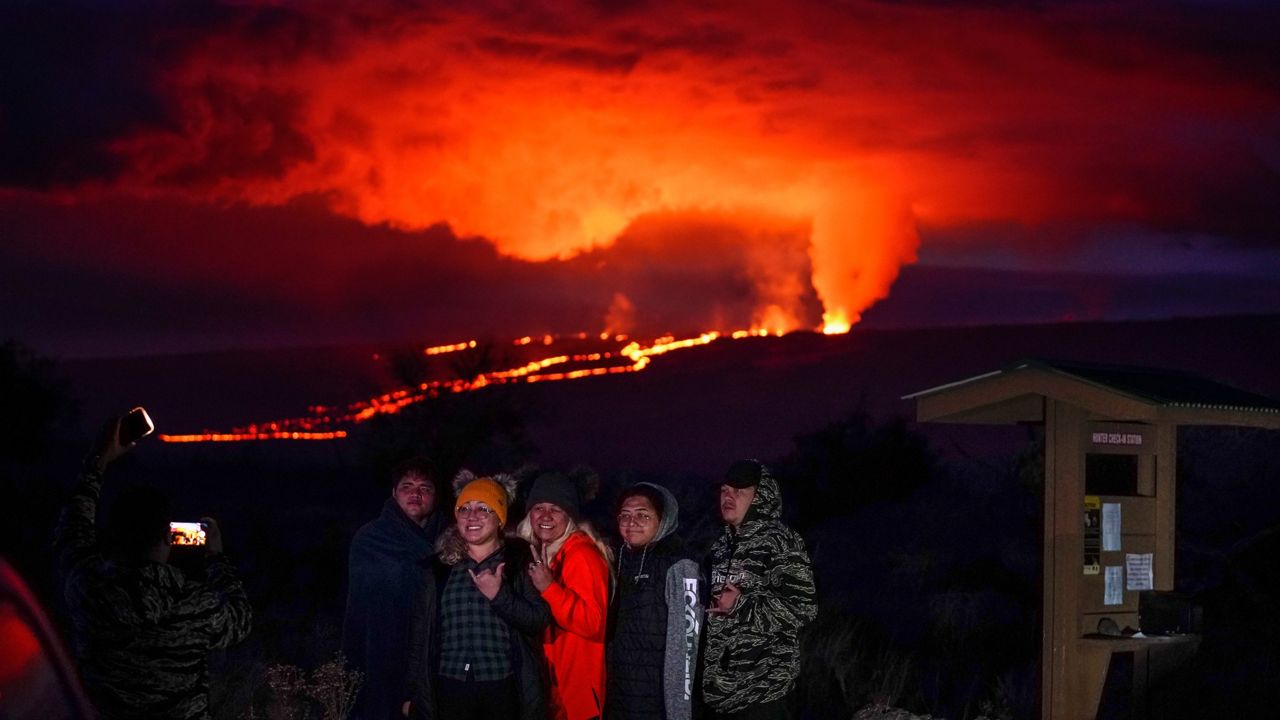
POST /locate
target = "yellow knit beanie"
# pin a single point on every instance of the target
(487, 491)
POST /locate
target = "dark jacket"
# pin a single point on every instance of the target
(386, 561)
(142, 630)
(753, 653)
(655, 625)
(517, 603)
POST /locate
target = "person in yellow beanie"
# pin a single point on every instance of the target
(488, 492)
(478, 624)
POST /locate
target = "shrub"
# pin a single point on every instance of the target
(329, 694)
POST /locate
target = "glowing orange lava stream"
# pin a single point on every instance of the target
(323, 424)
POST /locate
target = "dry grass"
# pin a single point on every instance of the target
(328, 694)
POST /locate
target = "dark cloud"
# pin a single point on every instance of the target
(77, 76)
(252, 135)
(1095, 248)
(1202, 39)
(123, 276)
(80, 77)
(702, 39)
(1241, 202)
(931, 296)
(575, 56)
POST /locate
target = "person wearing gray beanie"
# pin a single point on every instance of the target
(558, 490)
(571, 571)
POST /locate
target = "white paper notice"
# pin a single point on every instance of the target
(1137, 568)
(1110, 527)
(1115, 584)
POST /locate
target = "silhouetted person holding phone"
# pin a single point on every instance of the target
(387, 556)
(142, 631)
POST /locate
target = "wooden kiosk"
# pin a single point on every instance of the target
(1110, 444)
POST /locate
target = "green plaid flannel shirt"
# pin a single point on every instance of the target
(475, 643)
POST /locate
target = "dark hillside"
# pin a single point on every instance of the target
(692, 409)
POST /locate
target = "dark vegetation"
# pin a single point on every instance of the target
(927, 564)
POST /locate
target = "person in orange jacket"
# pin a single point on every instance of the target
(572, 573)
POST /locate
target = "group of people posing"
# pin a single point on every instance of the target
(461, 612)
(455, 610)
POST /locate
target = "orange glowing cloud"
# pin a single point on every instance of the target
(551, 132)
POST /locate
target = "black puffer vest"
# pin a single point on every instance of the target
(638, 637)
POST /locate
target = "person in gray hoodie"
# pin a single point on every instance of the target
(657, 614)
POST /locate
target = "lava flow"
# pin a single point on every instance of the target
(327, 423)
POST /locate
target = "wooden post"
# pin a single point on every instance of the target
(1166, 499)
(1063, 559)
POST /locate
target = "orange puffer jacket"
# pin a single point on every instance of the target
(574, 642)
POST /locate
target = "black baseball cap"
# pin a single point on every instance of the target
(744, 474)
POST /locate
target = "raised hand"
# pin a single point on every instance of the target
(106, 446)
(488, 582)
(212, 536)
(539, 572)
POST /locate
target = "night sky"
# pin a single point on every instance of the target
(203, 175)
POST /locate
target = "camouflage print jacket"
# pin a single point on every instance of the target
(143, 631)
(753, 653)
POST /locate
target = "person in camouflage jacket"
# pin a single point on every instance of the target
(762, 585)
(142, 630)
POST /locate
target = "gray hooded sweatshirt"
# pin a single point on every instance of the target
(656, 625)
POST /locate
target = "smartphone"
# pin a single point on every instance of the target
(135, 426)
(187, 533)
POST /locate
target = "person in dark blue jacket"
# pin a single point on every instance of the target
(387, 555)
